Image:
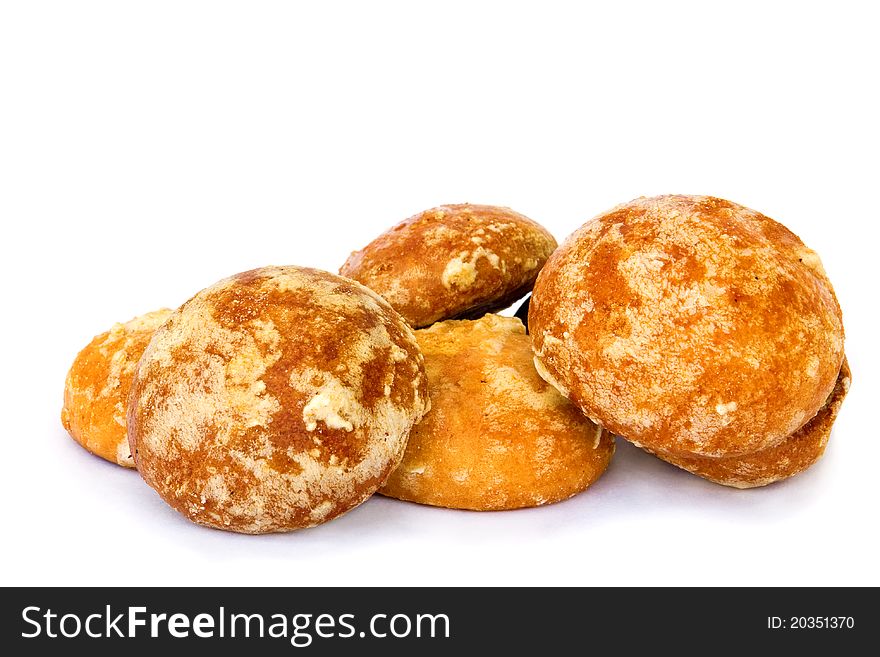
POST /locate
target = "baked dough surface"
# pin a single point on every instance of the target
(689, 325)
(275, 399)
(497, 436)
(793, 455)
(453, 261)
(97, 386)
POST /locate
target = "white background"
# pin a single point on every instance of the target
(148, 149)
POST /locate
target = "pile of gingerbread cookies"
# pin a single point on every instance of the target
(279, 398)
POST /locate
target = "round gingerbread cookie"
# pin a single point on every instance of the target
(97, 386)
(497, 436)
(276, 399)
(453, 261)
(689, 325)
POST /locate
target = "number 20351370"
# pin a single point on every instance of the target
(811, 623)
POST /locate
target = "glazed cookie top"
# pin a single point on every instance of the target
(275, 399)
(689, 324)
(97, 386)
(497, 436)
(453, 261)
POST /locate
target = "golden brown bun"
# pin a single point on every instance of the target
(497, 436)
(453, 261)
(689, 325)
(97, 386)
(275, 399)
(793, 455)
